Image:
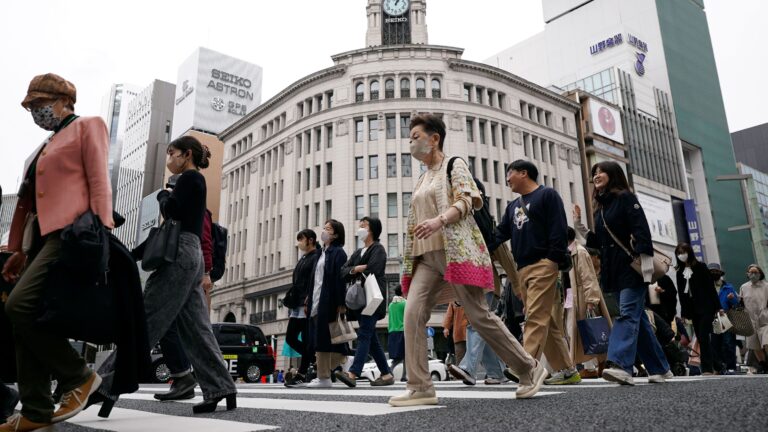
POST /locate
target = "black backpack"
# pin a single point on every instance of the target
(483, 217)
(219, 239)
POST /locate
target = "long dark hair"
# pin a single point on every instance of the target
(200, 153)
(338, 231)
(617, 180)
(687, 249)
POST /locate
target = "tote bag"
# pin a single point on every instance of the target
(341, 331)
(595, 333)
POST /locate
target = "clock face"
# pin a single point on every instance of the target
(607, 121)
(396, 7)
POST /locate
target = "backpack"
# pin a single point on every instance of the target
(482, 216)
(219, 239)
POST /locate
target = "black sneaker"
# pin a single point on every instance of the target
(461, 374)
(297, 381)
(511, 376)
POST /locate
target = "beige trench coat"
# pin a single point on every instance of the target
(585, 289)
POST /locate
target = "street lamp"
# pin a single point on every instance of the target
(747, 183)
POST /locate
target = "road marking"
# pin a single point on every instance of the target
(449, 394)
(128, 420)
(328, 407)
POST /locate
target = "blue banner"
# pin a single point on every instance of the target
(694, 231)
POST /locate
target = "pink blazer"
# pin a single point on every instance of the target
(71, 177)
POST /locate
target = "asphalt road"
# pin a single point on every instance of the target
(683, 404)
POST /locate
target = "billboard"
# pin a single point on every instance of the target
(605, 121)
(660, 218)
(213, 91)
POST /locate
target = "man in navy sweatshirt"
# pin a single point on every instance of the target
(536, 224)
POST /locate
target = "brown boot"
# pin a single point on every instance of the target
(19, 423)
(72, 402)
(589, 374)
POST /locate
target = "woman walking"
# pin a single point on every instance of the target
(755, 296)
(698, 302)
(369, 260)
(325, 304)
(446, 257)
(619, 214)
(63, 178)
(174, 294)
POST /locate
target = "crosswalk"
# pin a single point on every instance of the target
(144, 413)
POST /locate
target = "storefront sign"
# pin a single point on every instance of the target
(694, 232)
(661, 219)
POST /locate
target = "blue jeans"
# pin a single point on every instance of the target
(367, 341)
(476, 347)
(173, 352)
(632, 335)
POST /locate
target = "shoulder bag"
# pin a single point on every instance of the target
(162, 245)
(661, 261)
(742, 324)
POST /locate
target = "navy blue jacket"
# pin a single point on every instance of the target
(541, 234)
(333, 292)
(626, 219)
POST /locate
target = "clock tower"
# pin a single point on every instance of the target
(396, 22)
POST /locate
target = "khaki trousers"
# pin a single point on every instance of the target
(328, 361)
(426, 286)
(544, 314)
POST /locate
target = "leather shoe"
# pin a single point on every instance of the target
(73, 401)
(19, 423)
(7, 409)
(209, 405)
(182, 388)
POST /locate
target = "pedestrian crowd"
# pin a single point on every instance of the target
(530, 299)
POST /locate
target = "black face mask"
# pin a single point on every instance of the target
(715, 277)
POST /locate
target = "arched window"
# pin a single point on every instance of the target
(421, 90)
(359, 92)
(389, 89)
(436, 88)
(405, 88)
(374, 90)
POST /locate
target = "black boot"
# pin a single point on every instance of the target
(10, 398)
(182, 388)
(209, 406)
(106, 404)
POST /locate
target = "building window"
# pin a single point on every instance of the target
(471, 163)
(481, 130)
(298, 222)
(484, 168)
(466, 93)
(498, 209)
(359, 207)
(493, 135)
(470, 130)
(330, 99)
(359, 130)
(504, 137)
(318, 139)
(298, 183)
(552, 152)
(317, 214)
(405, 164)
(306, 215)
(298, 146)
(565, 125)
(406, 203)
(328, 173)
(479, 95)
(392, 204)
(405, 88)
(359, 169)
(436, 88)
(329, 209)
(359, 92)
(421, 88)
(391, 127)
(373, 129)
(307, 178)
(373, 167)
(392, 250)
(496, 172)
(317, 176)
(374, 90)
(389, 89)
(373, 206)
(405, 126)
(329, 136)
(391, 165)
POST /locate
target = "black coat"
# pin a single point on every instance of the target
(376, 260)
(332, 294)
(701, 301)
(303, 278)
(626, 219)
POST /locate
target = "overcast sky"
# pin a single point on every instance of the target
(97, 43)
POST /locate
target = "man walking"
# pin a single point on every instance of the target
(537, 226)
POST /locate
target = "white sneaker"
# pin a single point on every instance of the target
(619, 376)
(656, 379)
(669, 375)
(525, 391)
(412, 398)
(320, 383)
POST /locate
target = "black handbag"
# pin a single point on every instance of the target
(162, 245)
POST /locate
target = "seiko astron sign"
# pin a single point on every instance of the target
(213, 91)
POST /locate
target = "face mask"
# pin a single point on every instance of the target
(683, 257)
(45, 118)
(362, 233)
(754, 277)
(325, 237)
(419, 148)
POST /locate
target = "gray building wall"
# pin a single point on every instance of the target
(6, 213)
(750, 145)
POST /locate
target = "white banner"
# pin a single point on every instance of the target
(660, 218)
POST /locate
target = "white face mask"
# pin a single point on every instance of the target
(419, 148)
(754, 277)
(683, 257)
(325, 237)
(362, 233)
